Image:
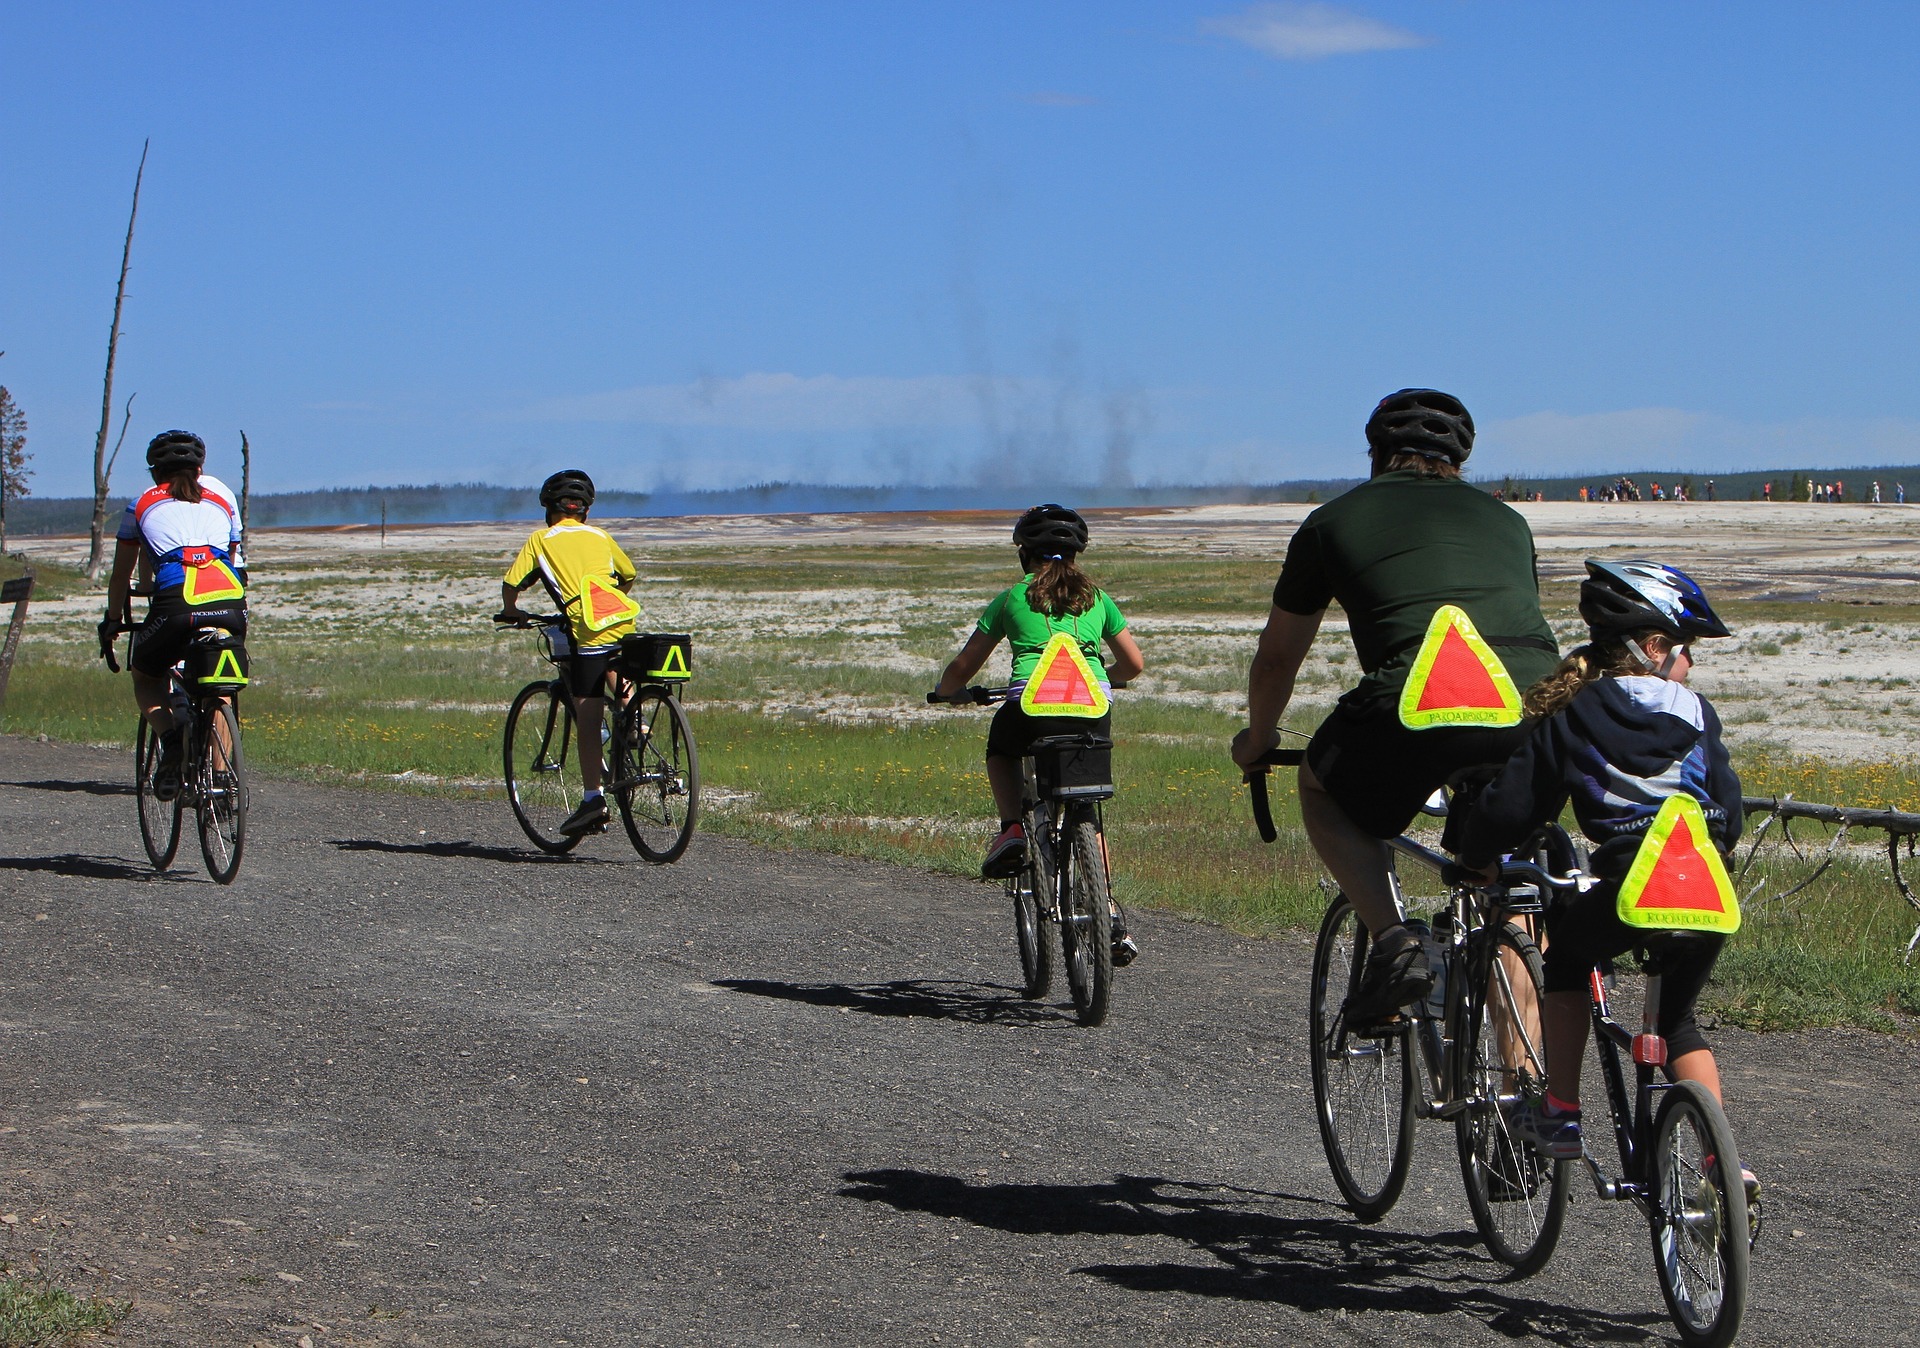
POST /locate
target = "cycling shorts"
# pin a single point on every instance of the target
(1013, 731)
(161, 640)
(1585, 929)
(1380, 773)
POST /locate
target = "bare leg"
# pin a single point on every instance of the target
(1698, 1066)
(1357, 860)
(151, 694)
(1003, 775)
(586, 715)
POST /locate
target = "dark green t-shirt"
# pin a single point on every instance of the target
(1027, 632)
(1396, 548)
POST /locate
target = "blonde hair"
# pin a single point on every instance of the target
(1059, 588)
(1595, 660)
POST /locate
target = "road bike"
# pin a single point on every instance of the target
(1678, 1161)
(201, 688)
(1062, 897)
(650, 767)
(1466, 1054)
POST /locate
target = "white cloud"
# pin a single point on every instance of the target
(1305, 30)
(1671, 438)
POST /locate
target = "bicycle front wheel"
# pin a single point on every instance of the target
(159, 819)
(1699, 1217)
(1362, 1084)
(220, 791)
(1519, 1198)
(539, 764)
(1086, 923)
(1035, 931)
(657, 777)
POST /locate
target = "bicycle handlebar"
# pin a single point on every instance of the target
(505, 621)
(1256, 780)
(980, 697)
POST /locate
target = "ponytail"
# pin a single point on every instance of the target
(1583, 665)
(184, 484)
(1059, 587)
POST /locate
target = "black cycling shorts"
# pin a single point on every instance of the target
(586, 675)
(161, 640)
(1380, 773)
(1585, 929)
(1013, 731)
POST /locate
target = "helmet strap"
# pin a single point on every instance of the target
(1660, 669)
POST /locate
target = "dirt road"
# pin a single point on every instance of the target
(407, 1082)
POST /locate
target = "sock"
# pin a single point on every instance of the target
(1555, 1105)
(594, 794)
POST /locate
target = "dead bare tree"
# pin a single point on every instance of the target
(102, 465)
(246, 483)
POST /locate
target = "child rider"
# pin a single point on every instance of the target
(1054, 595)
(587, 576)
(1618, 732)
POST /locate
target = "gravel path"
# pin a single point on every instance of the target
(407, 1082)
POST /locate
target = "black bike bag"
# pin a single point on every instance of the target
(656, 657)
(1073, 767)
(216, 662)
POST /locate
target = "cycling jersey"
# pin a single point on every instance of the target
(178, 534)
(567, 556)
(1027, 632)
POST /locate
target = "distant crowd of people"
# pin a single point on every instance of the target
(1626, 489)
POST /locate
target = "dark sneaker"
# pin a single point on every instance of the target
(166, 774)
(1125, 949)
(1007, 854)
(1395, 975)
(591, 817)
(1555, 1136)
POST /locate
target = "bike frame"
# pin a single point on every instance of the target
(1632, 1118)
(1056, 820)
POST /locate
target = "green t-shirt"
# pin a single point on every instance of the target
(1027, 632)
(1397, 547)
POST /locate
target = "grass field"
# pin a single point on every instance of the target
(811, 667)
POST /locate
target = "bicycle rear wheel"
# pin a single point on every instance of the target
(220, 792)
(657, 775)
(1034, 930)
(1519, 1198)
(539, 763)
(1086, 923)
(1699, 1217)
(1362, 1084)
(159, 819)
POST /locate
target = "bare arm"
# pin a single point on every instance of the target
(509, 598)
(1276, 663)
(1127, 663)
(967, 663)
(120, 582)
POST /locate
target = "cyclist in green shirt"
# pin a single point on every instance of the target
(1433, 575)
(1053, 596)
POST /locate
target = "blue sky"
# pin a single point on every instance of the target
(1055, 243)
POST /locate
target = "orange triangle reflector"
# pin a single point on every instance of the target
(1677, 881)
(210, 583)
(1063, 683)
(1456, 679)
(602, 606)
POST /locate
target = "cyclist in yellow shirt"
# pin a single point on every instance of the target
(587, 576)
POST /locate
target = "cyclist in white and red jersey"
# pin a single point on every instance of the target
(184, 532)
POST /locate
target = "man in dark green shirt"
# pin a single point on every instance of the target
(1437, 580)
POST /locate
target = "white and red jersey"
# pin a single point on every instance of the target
(166, 527)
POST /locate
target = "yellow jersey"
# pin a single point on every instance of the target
(585, 571)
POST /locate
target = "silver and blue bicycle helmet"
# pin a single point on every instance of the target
(1619, 598)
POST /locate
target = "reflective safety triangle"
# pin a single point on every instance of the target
(225, 670)
(1063, 683)
(602, 606)
(214, 581)
(674, 666)
(1456, 679)
(1677, 881)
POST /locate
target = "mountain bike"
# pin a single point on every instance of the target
(650, 767)
(201, 688)
(1062, 897)
(1466, 1054)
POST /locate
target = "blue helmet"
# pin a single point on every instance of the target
(1618, 598)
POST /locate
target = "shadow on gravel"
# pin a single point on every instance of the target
(1304, 1252)
(86, 868)
(928, 999)
(471, 850)
(87, 788)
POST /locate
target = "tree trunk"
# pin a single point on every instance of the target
(246, 485)
(102, 465)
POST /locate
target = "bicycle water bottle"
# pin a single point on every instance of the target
(1437, 948)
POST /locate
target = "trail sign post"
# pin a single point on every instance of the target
(15, 592)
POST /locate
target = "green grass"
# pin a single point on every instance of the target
(36, 1314)
(811, 666)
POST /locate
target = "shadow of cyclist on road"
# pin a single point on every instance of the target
(466, 849)
(926, 998)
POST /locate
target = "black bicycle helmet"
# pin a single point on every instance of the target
(569, 484)
(1050, 530)
(170, 450)
(1618, 598)
(1421, 421)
